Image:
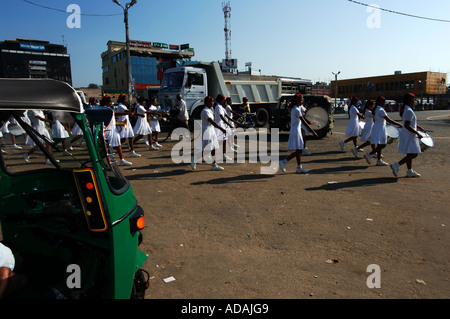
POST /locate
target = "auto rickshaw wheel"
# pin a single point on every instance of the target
(140, 284)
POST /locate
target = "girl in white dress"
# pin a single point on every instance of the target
(367, 132)
(142, 127)
(229, 112)
(409, 143)
(379, 136)
(112, 135)
(125, 131)
(353, 128)
(220, 117)
(38, 121)
(58, 131)
(208, 141)
(295, 142)
(154, 122)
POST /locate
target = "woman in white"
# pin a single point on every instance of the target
(58, 131)
(142, 127)
(295, 142)
(38, 121)
(208, 141)
(126, 130)
(353, 128)
(220, 118)
(379, 136)
(367, 131)
(154, 122)
(409, 143)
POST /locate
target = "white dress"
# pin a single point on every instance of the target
(409, 143)
(295, 141)
(125, 132)
(367, 132)
(141, 127)
(208, 141)
(379, 135)
(353, 128)
(154, 123)
(39, 126)
(302, 125)
(218, 111)
(58, 130)
(111, 133)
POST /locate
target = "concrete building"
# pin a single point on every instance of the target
(149, 60)
(25, 58)
(430, 88)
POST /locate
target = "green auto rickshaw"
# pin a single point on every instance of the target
(66, 210)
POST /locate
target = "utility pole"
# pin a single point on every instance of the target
(335, 88)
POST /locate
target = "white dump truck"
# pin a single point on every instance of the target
(195, 81)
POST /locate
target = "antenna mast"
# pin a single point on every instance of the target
(226, 7)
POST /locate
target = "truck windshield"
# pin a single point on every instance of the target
(172, 81)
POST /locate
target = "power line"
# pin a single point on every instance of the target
(397, 12)
(83, 14)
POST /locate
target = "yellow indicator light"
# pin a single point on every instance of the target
(89, 199)
(89, 213)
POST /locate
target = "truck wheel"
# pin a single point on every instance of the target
(262, 117)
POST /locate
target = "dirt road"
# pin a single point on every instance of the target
(240, 234)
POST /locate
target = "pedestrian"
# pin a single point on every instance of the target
(353, 128)
(38, 122)
(220, 117)
(9, 280)
(183, 115)
(124, 124)
(154, 122)
(367, 131)
(245, 106)
(230, 113)
(208, 141)
(379, 135)
(305, 132)
(295, 142)
(142, 127)
(409, 143)
(58, 131)
(112, 135)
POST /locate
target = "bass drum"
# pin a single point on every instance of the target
(426, 142)
(318, 117)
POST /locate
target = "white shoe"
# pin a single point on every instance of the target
(341, 144)
(153, 147)
(306, 152)
(134, 154)
(301, 170)
(17, 147)
(26, 158)
(411, 173)
(355, 152)
(125, 163)
(147, 143)
(157, 144)
(361, 150)
(4, 152)
(283, 165)
(382, 163)
(216, 167)
(367, 157)
(394, 168)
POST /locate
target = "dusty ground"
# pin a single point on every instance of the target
(240, 234)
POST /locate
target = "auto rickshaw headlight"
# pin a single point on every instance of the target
(137, 220)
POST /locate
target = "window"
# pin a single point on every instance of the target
(194, 79)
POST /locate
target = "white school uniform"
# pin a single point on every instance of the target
(302, 125)
(58, 130)
(218, 111)
(39, 126)
(154, 123)
(112, 133)
(409, 143)
(367, 132)
(379, 135)
(125, 132)
(295, 141)
(353, 128)
(208, 141)
(141, 127)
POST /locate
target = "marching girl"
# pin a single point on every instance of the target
(365, 137)
(353, 128)
(142, 127)
(379, 136)
(154, 122)
(38, 121)
(220, 118)
(126, 131)
(295, 142)
(112, 135)
(229, 114)
(409, 137)
(58, 131)
(208, 141)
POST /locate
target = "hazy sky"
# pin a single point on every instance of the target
(301, 38)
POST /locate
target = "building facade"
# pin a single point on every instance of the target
(148, 60)
(429, 88)
(25, 58)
